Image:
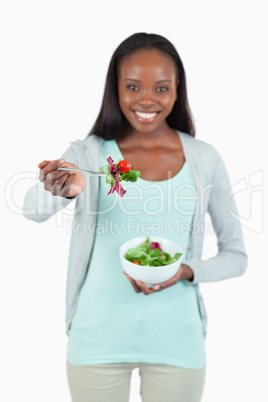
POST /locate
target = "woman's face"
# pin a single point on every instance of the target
(147, 87)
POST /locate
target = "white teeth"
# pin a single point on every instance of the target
(145, 115)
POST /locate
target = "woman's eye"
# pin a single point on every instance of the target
(133, 87)
(162, 89)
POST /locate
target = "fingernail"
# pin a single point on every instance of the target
(156, 287)
(61, 160)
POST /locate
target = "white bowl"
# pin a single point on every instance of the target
(151, 275)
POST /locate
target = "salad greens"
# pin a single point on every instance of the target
(150, 254)
(114, 176)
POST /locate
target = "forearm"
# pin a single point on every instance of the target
(223, 266)
(39, 205)
(231, 259)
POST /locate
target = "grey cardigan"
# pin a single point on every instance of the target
(214, 195)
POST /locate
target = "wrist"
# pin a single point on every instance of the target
(186, 273)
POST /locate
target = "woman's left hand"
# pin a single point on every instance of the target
(184, 273)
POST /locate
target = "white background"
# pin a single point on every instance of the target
(55, 56)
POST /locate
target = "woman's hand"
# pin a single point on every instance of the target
(62, 183)
(184, 273)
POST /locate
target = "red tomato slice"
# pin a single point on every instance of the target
(124, 166)
(136, 262)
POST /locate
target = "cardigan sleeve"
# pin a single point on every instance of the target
(231, 259)
(39, 204)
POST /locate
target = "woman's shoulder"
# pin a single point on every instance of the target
(90, 140)
(198, 148)
(203, 155)
(196, 144)
(90, 144)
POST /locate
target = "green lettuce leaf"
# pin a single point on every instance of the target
(131, 176)
(150, 257)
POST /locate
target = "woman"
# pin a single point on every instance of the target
(145, 118)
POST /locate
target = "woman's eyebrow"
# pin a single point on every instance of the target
(156, 82)
(131, 79)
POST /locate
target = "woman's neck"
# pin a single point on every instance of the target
(130, 137)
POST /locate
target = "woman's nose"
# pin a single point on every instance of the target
(147, 97)
(146, 100)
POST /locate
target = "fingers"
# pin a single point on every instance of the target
(63, 183)
(55, 182)
(64, 192)
(42, 164)
(144, 288)
(57, 175)
(170, 282)
(139, 286)
(49, 167)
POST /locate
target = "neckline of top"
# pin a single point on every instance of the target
(151, 181)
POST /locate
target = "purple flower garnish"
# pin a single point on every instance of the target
(155, 245)
(117, 186)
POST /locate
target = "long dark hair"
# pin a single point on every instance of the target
(110, 119)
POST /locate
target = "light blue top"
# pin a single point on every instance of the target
(214, 197)
(113, 323)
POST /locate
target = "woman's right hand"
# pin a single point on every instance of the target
(62, 183)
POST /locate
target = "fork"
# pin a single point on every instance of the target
(91, 172)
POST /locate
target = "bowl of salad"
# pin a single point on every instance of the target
(150, 260)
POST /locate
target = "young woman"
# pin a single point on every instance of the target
(112, 326)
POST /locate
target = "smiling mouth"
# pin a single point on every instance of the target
(146, 116)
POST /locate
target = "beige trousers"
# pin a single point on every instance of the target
(111, 382)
